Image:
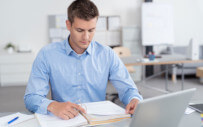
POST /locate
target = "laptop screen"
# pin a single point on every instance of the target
(162, 111)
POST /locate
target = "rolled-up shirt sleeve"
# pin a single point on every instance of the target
(38, 86)
(122, 81)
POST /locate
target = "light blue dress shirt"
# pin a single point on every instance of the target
(76, 78)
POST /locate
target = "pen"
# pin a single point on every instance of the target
(14, 119)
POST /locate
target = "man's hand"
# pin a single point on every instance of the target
(130, 108)
(65, 110)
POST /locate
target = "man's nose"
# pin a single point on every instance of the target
(86, 35)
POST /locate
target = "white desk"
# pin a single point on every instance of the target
(191, 120)
(165, 60)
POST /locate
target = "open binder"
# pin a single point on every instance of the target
(97, 113)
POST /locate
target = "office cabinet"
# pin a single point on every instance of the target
(108, 30)
(15, 68)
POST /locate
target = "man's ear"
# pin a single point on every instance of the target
(68, 24)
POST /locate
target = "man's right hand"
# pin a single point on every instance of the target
(65, 110)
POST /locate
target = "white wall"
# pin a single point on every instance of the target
(25, 21)
(188, 20)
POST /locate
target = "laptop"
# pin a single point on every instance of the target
(162, 111)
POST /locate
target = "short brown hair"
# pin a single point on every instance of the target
(83, 9)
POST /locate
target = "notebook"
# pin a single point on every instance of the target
(97, 113)
(162, 111)
(197, 107)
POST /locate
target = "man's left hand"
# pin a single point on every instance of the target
(130, 108)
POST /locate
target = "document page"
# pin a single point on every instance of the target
(21, 118)
(53, 121)
(103, 108)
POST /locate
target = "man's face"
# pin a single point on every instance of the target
(81, 33)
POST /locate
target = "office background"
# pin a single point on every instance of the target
(26, 23)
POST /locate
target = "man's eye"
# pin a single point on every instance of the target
(78, 30)
(91, 30)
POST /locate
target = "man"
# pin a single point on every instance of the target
(77, 69)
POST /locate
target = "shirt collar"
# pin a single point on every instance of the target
(67, 46)
(69, 49)
(89, 48)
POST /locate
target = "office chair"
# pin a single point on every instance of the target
(124, 52)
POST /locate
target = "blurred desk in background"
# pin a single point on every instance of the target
(175, 60)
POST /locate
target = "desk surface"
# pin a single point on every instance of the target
(191, 120)
(166, 59)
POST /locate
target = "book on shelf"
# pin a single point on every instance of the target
(97, 113)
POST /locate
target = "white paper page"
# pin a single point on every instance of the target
(53, 121)
(189, 111)
(22, 117)
(103, 108)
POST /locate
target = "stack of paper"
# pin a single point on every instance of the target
(21, 118)
(103, 112)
